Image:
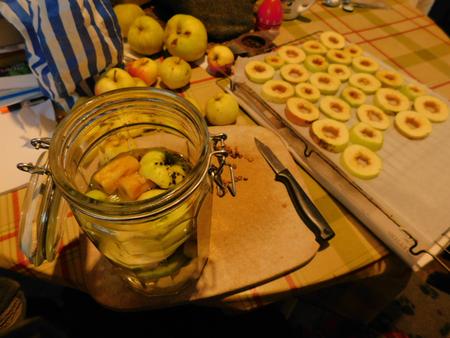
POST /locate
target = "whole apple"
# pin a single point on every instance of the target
(114, 78)
(220, 60)
(185, 36)
(222, 109)
(126, 14)
(175, 72)
(144, 68)
(146, 35)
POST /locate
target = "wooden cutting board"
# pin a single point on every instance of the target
(256, 236)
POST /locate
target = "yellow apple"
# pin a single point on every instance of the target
(222, 109)
(126, 14)
(175, 72)
(185, 36)
(139, 82)
(143, 68)
(220, 60)
(146, 35)
(114, 78)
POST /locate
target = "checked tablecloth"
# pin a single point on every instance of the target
(401, 36)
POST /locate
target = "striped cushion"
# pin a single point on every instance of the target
(67, 43)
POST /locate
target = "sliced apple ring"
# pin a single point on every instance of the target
(412, 124)
(291, 54)
(332, 40)
(373, 116)
(314, 47)
(339, 56)
(301, 112)
(277, 91)
(391, 101)
(367, 136)
(413, 90)
(353, 96)
(326, 83)
(294, 73)
(316, 63)
(433, 108)
(330, 134)
(274, 60)
(368, 83)
(342, 72)
(335, 108)
(307, 91)
(361, 162)
(353, 50)
(258, 71)
(390, 78)
(365, 64)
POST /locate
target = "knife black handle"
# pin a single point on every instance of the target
(306, 209)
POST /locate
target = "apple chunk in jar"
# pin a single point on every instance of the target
(133, 165)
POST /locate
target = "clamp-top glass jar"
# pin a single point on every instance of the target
(159, 241)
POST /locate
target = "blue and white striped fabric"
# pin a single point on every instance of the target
(68, 43)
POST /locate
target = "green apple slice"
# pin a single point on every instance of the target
(391, 100)
(326, 83)
(274, 60)
(332, 40)
(258, 71)
(335, 108)
(365, 64)
(330, 134)
(390, 78)
(412, 124)
(361, 162)
(294, 73)
(316, 63)
(314, 47)
(291, 54)
(365, 135)
(277, 91)
(373, 116)
(433, 108)
(339, 56)
(413, 90)
(353, 50)
(368, 83)
(353, 96)
(307, 91)
(342, 72)
(301, 112)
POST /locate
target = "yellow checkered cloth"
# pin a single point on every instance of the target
(401, 36)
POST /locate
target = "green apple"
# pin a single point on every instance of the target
(222, 109)
(185, 36)
(126, 14)
(114, 78)
(146, 35)
(144, 68)
(175, 72)
(220, 60)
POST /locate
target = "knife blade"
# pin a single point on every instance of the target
(305, 208)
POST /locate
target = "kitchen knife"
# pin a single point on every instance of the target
(306, 209)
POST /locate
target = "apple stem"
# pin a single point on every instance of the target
(115, 72)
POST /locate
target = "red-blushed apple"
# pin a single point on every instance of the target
(144, 68)
(175, 72)
(126, 14)
(222, 109)
(114, 78)
(139, 82)
(220, 60)
(146, 35)
(185, 36)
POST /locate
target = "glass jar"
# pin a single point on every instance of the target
(158, 244)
